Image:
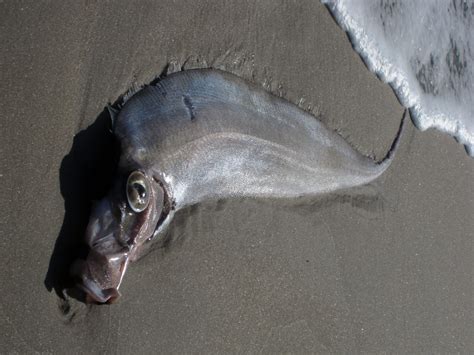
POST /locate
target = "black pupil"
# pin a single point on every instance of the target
(140, 189)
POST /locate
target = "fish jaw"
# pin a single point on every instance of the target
(115, 234)
(100, 276)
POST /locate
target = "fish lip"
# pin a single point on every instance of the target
(94, 294)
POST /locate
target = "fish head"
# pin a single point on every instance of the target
(119, 225)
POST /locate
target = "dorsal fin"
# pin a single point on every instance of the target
(113, 112)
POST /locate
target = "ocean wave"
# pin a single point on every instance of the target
(425, 51)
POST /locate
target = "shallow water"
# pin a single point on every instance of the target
(425, 51)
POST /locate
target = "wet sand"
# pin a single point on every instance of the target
(386, 267)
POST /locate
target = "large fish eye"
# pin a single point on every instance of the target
(137, 191)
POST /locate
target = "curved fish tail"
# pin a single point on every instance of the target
(395, 144)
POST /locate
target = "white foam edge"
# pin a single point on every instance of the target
(397, 79)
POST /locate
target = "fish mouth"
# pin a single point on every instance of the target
(94, 294)
(98, 290)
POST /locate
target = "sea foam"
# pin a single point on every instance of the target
(425, 51)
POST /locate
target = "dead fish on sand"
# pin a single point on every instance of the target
(205, 134)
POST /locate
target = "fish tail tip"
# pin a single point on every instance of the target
(396, 142)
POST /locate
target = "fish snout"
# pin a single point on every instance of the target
(100, 276)
(94, 294)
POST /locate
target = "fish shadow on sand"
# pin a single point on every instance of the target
(85, 175)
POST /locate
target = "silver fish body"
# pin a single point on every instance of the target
(205, 134)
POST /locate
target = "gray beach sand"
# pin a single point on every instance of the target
(383, 268)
